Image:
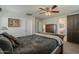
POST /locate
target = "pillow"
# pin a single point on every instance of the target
(11, 38)
(5, 45)
(59, 35)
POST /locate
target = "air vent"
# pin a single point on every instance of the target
(29, 14)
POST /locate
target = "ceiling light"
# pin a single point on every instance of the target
(48, 13)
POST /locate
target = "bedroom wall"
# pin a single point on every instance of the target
(16, 31)
(26, 28)
(55, 20)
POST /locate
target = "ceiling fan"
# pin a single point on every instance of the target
(49, 10)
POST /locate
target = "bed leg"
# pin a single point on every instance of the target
(61, 49)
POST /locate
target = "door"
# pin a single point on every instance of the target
(75, 34)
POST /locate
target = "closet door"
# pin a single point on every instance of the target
(73, 28)
(75, 34)
(69, 28)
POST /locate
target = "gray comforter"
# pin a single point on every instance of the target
(35, 44)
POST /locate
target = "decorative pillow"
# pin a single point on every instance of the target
(11, 38)
(6, 45)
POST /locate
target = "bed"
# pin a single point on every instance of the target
(37, 44)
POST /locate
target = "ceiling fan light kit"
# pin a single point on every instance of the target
(49, 10)
(47, 13)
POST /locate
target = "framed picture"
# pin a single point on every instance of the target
(13, 22)
(61, 25)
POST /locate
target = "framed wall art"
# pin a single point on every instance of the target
(13, 22)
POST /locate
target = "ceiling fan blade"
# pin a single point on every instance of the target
(42, 12)
(54, 6)
(55, 11)
(42, 9)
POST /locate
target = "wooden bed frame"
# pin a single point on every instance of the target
(59, 50)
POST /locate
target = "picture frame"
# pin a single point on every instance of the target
(12, 22)
(61, 25)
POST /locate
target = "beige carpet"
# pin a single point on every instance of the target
(71, 48)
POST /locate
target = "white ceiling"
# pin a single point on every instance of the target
(34, 9)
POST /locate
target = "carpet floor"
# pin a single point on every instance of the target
(71, 48)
